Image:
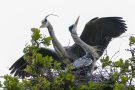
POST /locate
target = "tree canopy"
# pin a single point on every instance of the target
(47, 74)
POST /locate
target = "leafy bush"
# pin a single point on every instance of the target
(47, 74)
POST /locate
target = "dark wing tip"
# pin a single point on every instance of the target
(18, 63)
(18, 67)
(113, 26)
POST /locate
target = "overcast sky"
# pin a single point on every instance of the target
(17, 17)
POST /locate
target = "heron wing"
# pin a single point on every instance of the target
(99, 32)
(18, 67)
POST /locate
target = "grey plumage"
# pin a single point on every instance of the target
(98, 32)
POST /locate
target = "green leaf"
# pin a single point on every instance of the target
(118, 86)
(119, 63)
(133, 75)
(105, 61)
(70, 77)
(47, 61)
(126, 66)
(115, 76)
(47, 41)
(36, 34)
(124, 79)
(91, 84)
(0, 84)
(58, 81)
(44, 83)
(39, 58)
(132, 39)
(26, 83)
(83, 87)
(28, 69)
(57, 65)
(11, 83)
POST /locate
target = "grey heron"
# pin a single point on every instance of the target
(98, 32)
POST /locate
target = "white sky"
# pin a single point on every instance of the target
(17, 17)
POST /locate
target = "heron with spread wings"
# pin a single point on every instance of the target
(87, 48)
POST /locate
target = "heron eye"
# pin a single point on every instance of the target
(70, 28)
(45, 20)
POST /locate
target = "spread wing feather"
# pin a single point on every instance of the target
(18, 67)
(99, 32)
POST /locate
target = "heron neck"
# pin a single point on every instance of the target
(57, 45)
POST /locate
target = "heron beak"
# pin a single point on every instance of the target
(76, 22)
(42, 26)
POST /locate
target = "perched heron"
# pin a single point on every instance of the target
(91, 44)
(91, 54)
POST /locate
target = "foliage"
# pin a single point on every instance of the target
(47, 74)
(0, 84)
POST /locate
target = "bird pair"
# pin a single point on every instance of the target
(87, 48)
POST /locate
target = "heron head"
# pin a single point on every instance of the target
(74, 26)
(45, 22)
